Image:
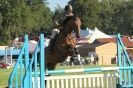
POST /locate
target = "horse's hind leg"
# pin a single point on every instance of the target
(49, 66)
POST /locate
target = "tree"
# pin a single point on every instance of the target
(122, 18)
(88, 10)
(110, 16)
(23, 16)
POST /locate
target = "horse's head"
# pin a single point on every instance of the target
(74, 24)
(77, 24)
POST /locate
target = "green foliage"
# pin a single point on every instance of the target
(18, 17)
(58, 15)
(123, 18)
(87, 10)
(4, 75)
(110, 16)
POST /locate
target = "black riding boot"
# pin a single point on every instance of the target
(51, 46)
(76, 51)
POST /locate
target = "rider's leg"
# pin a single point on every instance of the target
(51, 45)
(52, 41)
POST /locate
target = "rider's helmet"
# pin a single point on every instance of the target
(68, 7)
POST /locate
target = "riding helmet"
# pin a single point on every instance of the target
(68, 7)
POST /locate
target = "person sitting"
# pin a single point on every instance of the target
(69, 10)
(68, 13)
(58, 25)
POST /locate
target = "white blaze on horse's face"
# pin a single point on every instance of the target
(77, 27)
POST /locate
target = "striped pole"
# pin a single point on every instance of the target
(101, 69)
(89, 70)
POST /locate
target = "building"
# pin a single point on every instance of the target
(106, 49)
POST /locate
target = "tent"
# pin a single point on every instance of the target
(97, 34)
(89, 36)
(86, 33)
(84, 36)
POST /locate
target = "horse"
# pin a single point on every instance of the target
(64, 43)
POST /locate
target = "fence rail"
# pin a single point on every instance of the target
(108, 80)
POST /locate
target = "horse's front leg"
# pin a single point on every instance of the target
(49, 66)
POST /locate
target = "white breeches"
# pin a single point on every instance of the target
(54, 33)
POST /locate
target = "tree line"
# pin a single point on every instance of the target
(110, 16)
(18, 17)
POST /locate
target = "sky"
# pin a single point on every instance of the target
(53, 3)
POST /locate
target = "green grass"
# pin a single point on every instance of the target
(82, 66)
(4, 75)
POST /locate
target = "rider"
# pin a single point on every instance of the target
(59, 25)
(68, 12)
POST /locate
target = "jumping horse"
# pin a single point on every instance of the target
(64, 43)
